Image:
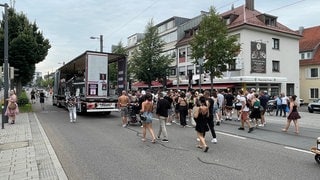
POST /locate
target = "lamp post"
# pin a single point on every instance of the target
(5, 64)
(200, 61)
(101, 41)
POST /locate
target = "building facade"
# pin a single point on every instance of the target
(309, 50)
(268, 61)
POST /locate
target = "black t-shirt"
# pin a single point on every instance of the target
(162, 107)
(229, 99)
(210, 100)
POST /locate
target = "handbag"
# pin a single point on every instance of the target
(143, 118)
(287, 109)
(12, 106)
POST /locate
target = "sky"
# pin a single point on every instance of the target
(69, 24)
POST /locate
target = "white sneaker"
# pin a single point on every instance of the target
(168, 124)
(214, 140)
(261, 125)
(71, 120)
(198, 139)
(124, 125)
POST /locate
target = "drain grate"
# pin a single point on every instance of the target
(14, 145)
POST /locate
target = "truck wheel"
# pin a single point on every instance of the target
(317, 158)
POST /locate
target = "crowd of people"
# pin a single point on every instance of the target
(204, 110)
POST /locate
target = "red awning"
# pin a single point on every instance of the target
(142, 84)
(205, 86)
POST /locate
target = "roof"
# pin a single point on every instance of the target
(310, 41)
(241, 16)
(244, 16)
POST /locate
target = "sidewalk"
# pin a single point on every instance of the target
(26, 153)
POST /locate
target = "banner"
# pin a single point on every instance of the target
(258, 57)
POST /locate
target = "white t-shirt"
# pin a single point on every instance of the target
(243, 101)
(284, 100)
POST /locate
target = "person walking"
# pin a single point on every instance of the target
(229, 98)
(284, 104)
(183, 109)
(146, 110)
(244, 112)
(263, 103)
(255, 114)
(163, 107)
(293, 115)
(12, 108)
(71, 104)
(33, 96)
(210, 104)
(278, 102)
(41, 97)
(201, 116)
(221, 107)
(123, 102)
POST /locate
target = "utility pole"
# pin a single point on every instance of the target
(5, 65)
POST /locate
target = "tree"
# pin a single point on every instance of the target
(214, 45)
(147, 63)
(27, 46)
(113, 67)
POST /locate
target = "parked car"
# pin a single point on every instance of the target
(314, 106)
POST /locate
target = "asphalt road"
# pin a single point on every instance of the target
(97, 147)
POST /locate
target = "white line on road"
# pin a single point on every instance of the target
(300, 150)
(240, 137)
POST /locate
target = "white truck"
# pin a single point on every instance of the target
(86, 78)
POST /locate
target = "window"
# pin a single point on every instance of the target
(314, 72)
(314, 93)
(275, 66)
(302, 56)
(232, 65)
(276, 43)
(182, 55)
(173, 72)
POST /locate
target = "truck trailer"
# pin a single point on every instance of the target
(86, 78)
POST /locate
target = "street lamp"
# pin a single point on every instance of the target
(101, 41)
(200, 61)
(5, 64)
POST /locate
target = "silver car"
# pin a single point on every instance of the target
(314, 106)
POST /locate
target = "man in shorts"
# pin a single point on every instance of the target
(229, 98)
(123, 102)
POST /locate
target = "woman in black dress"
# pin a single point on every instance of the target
(293, 115)
(201, 116)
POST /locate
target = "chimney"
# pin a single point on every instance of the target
(250, 4)
(301, 29)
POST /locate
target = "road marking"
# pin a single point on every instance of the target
(300, 150)
(240, 137)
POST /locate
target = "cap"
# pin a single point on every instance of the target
(143, 92)
(253, 89)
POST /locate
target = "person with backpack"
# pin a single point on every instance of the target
(210, 104)
(244, 112)
(255, 113)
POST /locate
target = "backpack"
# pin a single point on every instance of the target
(215, 104)
(248, 102)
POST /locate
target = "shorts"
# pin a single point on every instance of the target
(229, 108)
(124, 111)
(244, 115)
(238, 108)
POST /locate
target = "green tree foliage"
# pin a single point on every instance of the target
(214, 45)
(27, 46)
(113, 67)
(147, 63)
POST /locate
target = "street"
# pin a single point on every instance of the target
(97, 147)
